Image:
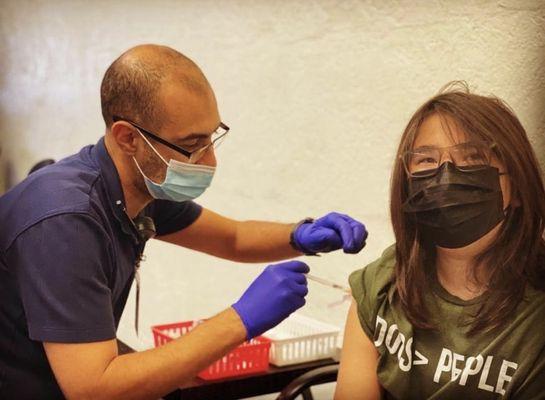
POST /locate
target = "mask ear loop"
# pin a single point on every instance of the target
(155, 151)
(150, 145)
(142, 172)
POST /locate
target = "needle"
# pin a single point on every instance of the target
(328, 283)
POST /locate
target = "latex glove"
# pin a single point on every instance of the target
(277, 292)
(332, 232)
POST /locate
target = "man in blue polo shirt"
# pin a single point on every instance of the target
(73, 234)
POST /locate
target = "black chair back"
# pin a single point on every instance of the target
(301, 386)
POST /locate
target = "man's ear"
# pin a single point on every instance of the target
(125, 135)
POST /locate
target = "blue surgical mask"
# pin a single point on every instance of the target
(183, 181)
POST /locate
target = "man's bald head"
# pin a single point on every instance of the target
(132, 84)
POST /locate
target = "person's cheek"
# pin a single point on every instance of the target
(505, 185)
(157, 169)
(505, 182)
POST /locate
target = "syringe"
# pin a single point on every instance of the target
(326, 282)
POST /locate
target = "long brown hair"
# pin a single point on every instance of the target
(517, 255)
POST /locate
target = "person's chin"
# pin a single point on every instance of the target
(474, 247)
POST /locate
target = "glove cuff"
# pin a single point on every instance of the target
(239, 310)
(293, 241)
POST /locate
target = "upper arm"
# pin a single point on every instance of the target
(357, 377)
(171, 217)
(78, 367)
(63, 266)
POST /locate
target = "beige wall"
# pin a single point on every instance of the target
(316, 93)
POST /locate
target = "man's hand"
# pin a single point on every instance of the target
(329, 233)
(272, 297)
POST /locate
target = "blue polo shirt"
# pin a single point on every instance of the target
(67, 261)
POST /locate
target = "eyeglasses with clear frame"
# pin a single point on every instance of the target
(469, 156)
(194, 156)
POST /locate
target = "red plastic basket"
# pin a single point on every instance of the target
(249, 358)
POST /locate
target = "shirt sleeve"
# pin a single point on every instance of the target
(170, 216)
(370, 286)
(361, 296)
(63, 266)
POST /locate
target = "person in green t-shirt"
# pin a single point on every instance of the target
(456, 308)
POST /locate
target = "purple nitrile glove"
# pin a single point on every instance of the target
(329, 233)
(277, 292)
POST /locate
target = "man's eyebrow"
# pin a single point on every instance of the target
(198, 135)
(195, 135)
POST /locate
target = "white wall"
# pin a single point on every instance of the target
(316, 92)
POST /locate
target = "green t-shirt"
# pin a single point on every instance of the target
(445, 363)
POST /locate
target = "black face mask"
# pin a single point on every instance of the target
(454, 208)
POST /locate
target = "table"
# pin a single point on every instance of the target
(272, 381)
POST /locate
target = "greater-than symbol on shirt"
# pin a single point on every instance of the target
(421, 359)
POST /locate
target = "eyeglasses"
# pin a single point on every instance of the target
(469, 156)
(215, 140)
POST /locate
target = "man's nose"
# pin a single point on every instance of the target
(208, 158)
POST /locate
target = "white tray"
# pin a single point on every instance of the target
(301, 339)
